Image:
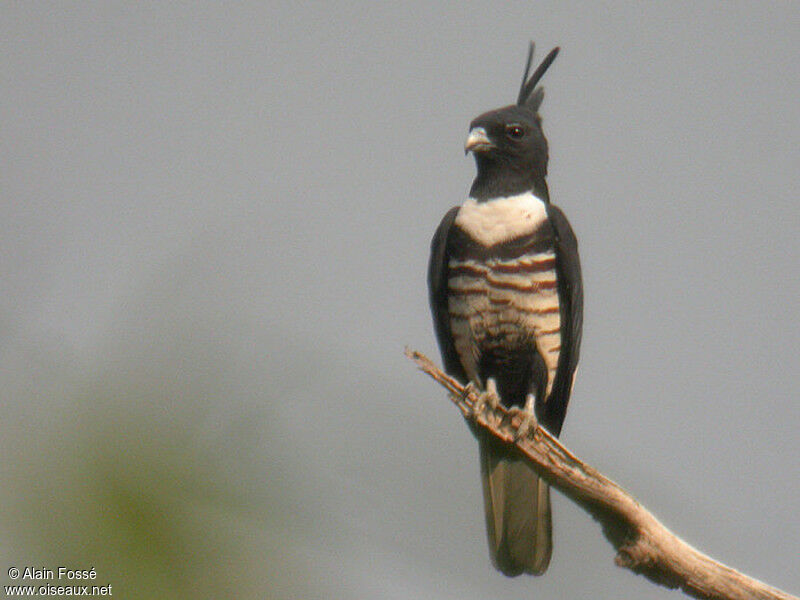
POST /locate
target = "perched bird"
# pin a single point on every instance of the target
(505, 290)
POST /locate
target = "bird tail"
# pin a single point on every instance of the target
(518, 516)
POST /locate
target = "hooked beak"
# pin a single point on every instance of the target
(477, 141)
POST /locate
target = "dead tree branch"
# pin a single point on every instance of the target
(643, 544)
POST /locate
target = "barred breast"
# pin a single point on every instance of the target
(508, 302)
(502, 283)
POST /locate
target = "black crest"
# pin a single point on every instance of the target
(528, 94)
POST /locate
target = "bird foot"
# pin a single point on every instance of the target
(488, 396)
(529, 423)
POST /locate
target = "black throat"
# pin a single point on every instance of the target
(497, 178)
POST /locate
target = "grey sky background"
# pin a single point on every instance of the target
(235, 204)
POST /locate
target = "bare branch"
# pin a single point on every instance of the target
(643, 544)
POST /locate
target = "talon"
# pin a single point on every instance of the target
(470, 388)
(488, 396)
(529, 424)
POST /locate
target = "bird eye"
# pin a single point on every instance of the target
(514, 131)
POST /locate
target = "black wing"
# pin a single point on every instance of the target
(570, 295)
(437, 294)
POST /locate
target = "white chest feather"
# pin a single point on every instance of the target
(501, 219)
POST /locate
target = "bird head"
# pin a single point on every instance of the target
(508, 143)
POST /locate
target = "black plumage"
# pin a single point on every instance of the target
(506, 295)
